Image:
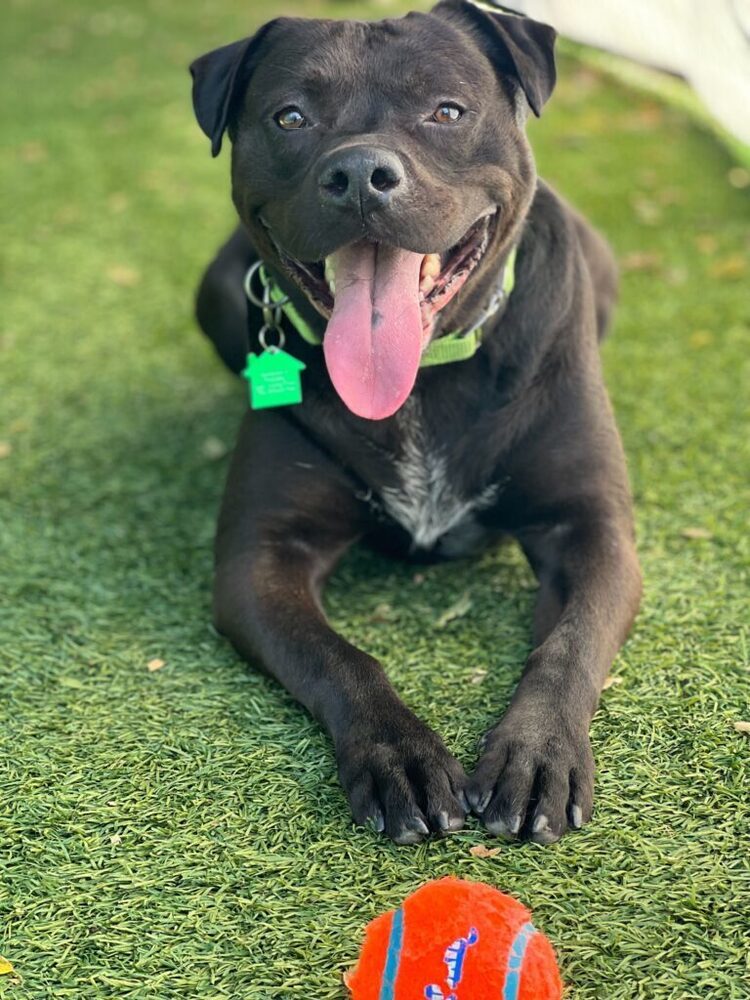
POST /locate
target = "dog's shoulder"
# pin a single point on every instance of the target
(550, 230)
(562, 246)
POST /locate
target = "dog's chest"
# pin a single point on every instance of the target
(429, 501)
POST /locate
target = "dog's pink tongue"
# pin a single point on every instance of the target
(374, 338)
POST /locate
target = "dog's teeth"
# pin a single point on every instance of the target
(426, 285)
(329, 271)
(332, 285)
(431, 266)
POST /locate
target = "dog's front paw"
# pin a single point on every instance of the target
(400, 779)
(534, 780)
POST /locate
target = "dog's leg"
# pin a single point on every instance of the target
(289, 513)
(535, 775)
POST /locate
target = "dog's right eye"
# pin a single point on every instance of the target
(289, 118)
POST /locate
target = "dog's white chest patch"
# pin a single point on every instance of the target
(426, 503)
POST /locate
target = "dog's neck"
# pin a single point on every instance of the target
(460, 344)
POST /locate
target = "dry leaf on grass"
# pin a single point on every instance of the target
(34, 152)
(641, 260)
(5, 449)
(739, 177)
(154, 665)
(706, 243)
(646, 211)
(478, 676)
(701, 338)
(611, 681)
(125, 277)
(696, 533)
(742, 727)
(115, 840)
(480, 851)
(382, 613)
(670, 196)
(457, 610)
(676, 275)
(6, 967)
(118, 202)
(213, 449)
(730, 268)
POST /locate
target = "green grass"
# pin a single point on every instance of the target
(180, 833)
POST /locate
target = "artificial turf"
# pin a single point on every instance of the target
(180, 832)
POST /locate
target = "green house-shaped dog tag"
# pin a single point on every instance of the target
(274, 378)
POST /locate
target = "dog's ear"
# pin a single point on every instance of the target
(219, 79)
(516, 45)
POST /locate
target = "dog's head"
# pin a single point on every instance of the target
(385, 167)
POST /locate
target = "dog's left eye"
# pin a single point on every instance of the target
(447, 113)
(289, 118)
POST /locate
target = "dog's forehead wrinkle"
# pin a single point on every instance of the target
(332, 54)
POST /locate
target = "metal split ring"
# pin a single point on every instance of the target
(266, 329)
(266, 300)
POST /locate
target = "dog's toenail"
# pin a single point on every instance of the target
(376, 823)
(479, 801)
(499, 828)
(540, 823)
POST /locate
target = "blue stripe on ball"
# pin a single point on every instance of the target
(393, 956)
(515, 961)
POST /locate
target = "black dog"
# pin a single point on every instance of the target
(382, 173)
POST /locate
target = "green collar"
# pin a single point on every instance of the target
(456, 346)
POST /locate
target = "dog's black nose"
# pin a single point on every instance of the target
(361, 177)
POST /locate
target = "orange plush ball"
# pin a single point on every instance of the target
(455, 940)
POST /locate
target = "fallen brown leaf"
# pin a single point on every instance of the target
(646, 211)
(739, 178)
(457, 610)
(706, 243)
(155, 664)
(67, 214)
(675, 275)
(670, 196)
(213, 449)
(382, 613)
(650, 115)
(480, 851)
(701, 338)
(742, 727)
(118, 202)
(641, 260)
(5, 449)
(34, 152)
(731, 267)
(610, 682)
(125, 277)
(696, 533)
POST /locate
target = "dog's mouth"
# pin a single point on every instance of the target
(381, 303)
(442, 275)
